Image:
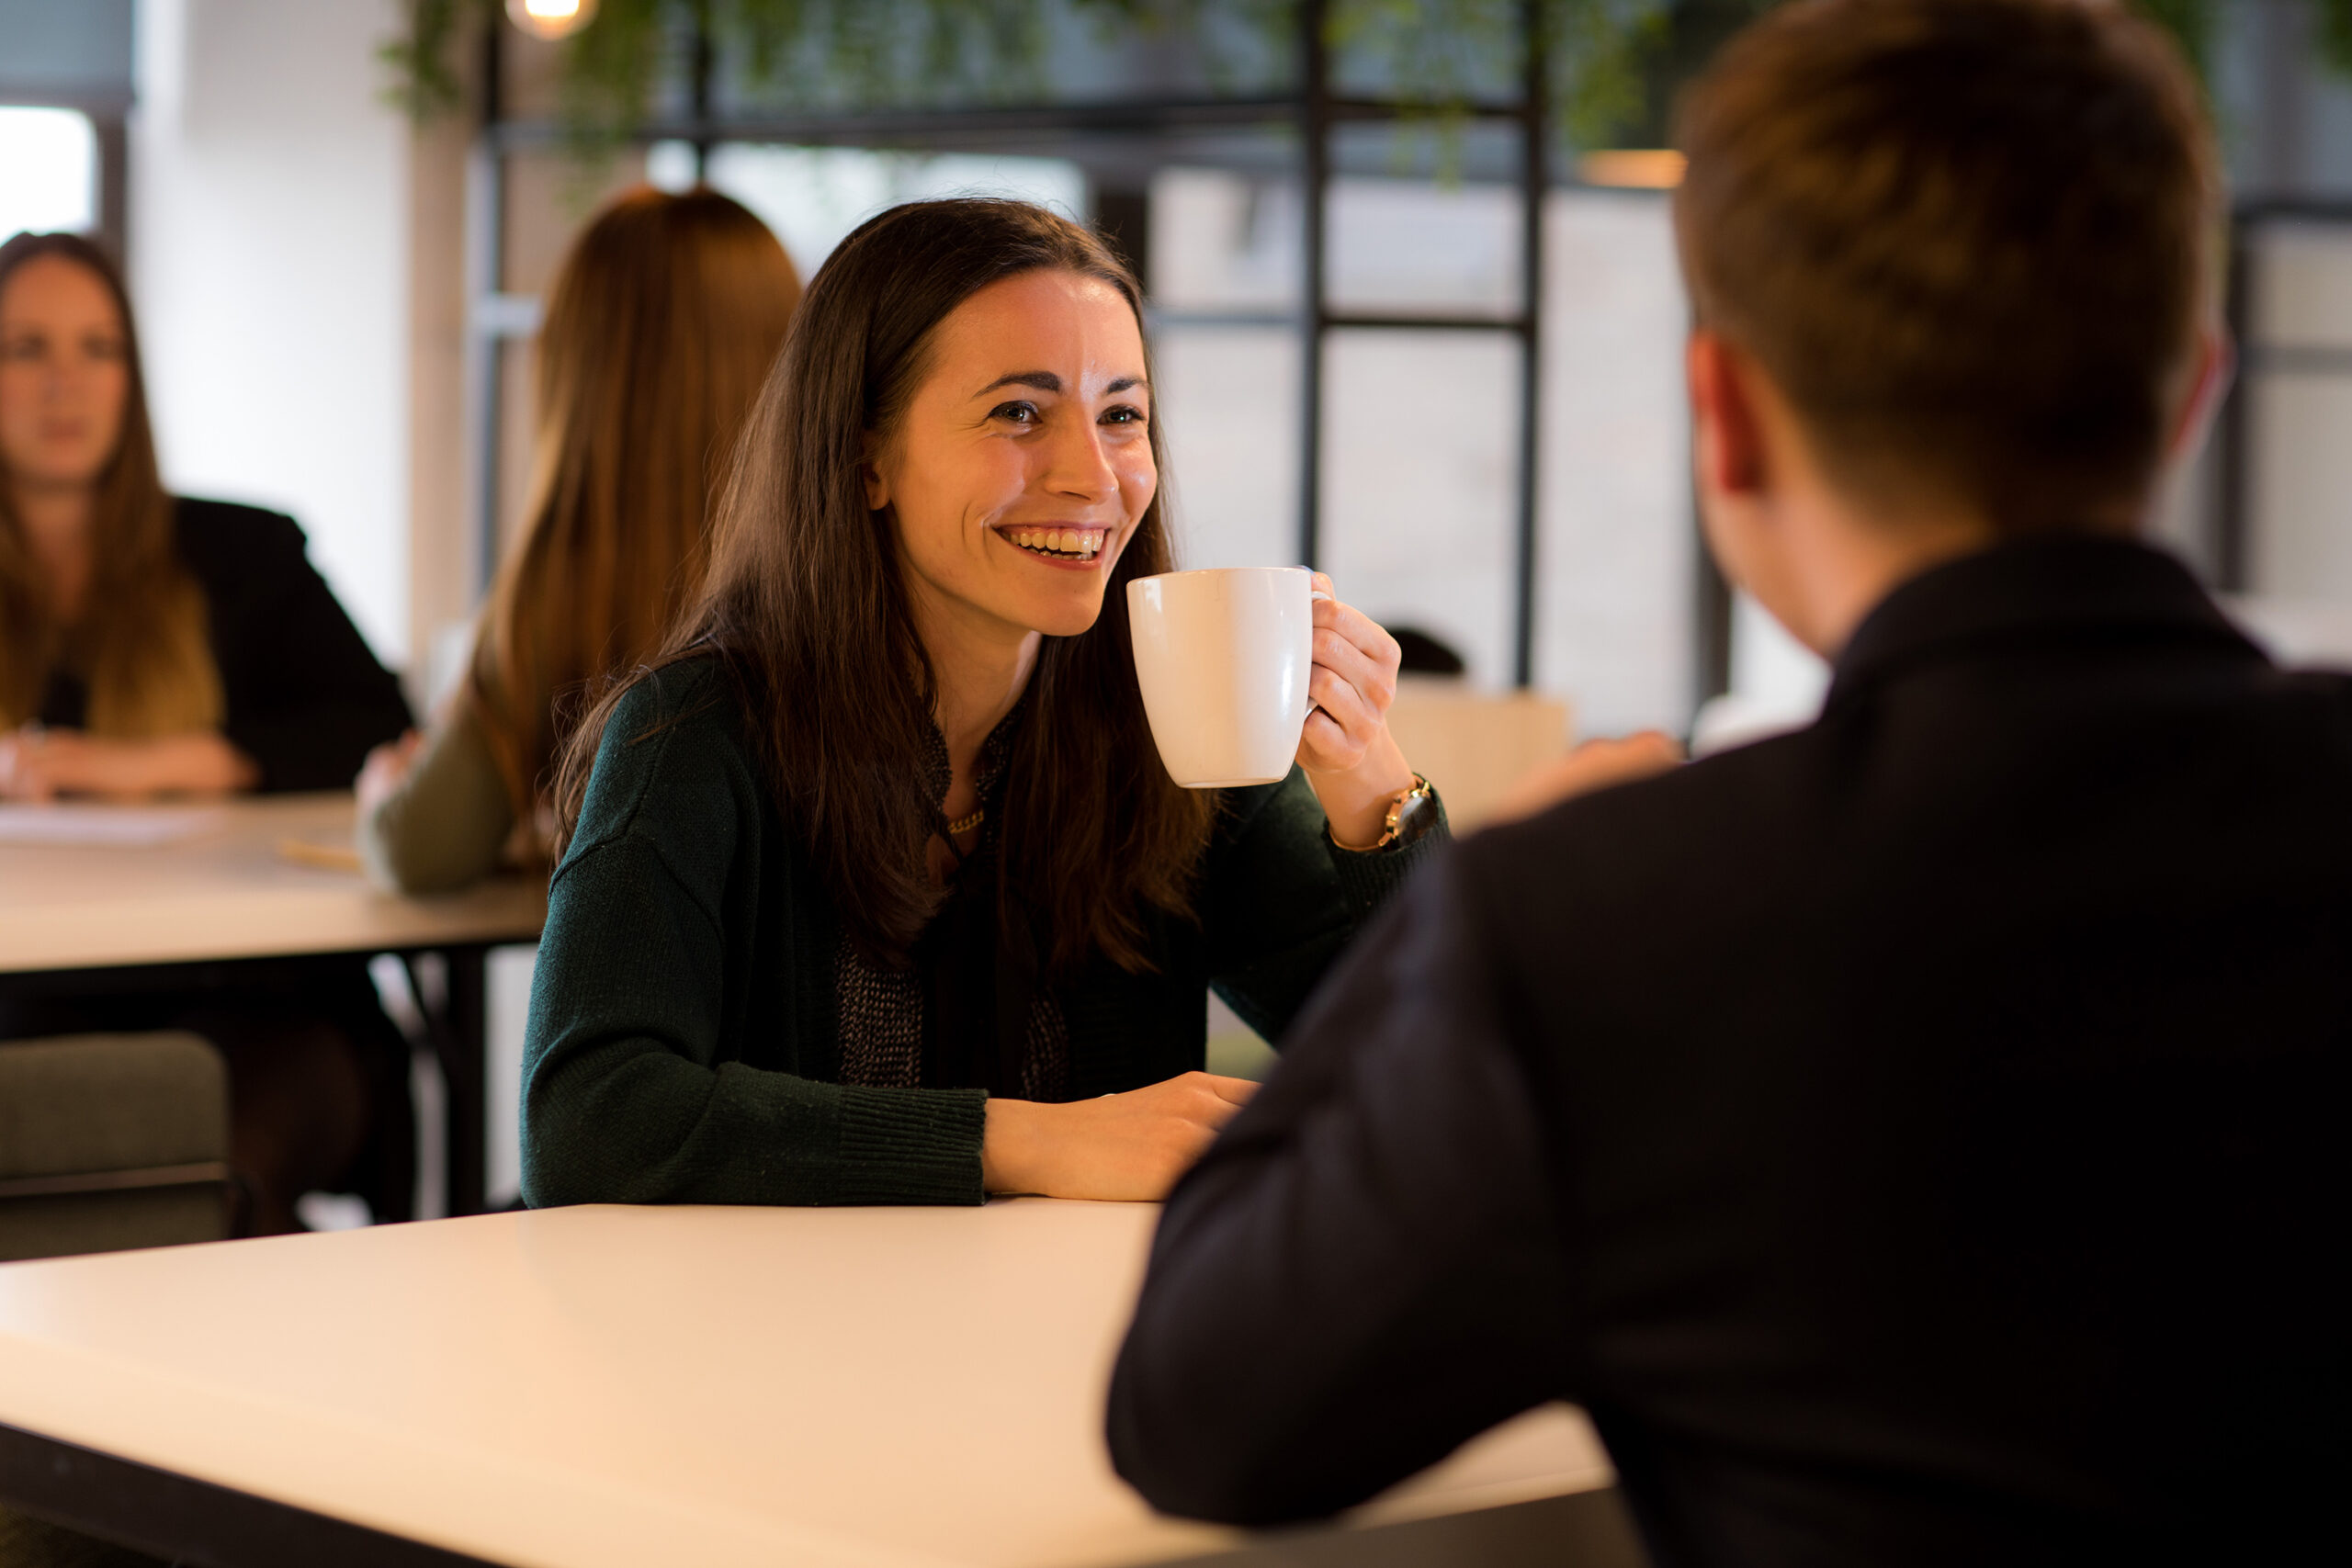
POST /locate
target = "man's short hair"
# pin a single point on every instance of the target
(1970, 240)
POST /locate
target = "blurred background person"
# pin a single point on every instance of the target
(156, 645)
(149, 644)
(661, 324)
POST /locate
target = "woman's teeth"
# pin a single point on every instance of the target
(1063, 544)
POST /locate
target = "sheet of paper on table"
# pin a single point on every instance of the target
(110, 826)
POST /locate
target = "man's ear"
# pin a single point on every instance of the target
(1728, 439)
(2210, 373)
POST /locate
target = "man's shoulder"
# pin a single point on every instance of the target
(2324, 691)
(1645, 841)
(1886, 799)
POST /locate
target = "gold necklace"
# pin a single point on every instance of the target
(965, 823)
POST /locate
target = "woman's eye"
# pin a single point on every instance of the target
(1125, 415)
(1018, 412)
(103, 348)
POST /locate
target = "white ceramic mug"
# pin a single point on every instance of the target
(1223, 657)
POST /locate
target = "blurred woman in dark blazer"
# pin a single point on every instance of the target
(155, 644)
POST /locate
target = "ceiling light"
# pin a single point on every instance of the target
(550, 18)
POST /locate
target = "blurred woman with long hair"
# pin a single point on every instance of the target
(159, 645)
(659, 331)
(149, 644)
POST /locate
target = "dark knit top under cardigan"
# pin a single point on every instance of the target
(685, 1041)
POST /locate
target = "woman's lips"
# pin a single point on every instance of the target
(1073, 545)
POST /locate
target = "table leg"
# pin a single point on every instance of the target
(451, 988)
(465, 1069)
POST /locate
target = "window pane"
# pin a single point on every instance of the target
(2302, 474)
(2297, 383)
(49, 169)
(1408, 247)
(1227, 398)
(1613, 558)
(1226, 240)
(1222, 241)
(1421, 441)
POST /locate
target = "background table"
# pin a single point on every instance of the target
(613, 1387)
(227, 900)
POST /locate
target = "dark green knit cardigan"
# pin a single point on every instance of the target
(683, 1046)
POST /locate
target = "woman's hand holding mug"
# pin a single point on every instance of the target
(1245, 670)
(1349, 756)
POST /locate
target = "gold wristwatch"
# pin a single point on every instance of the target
(1410, 812)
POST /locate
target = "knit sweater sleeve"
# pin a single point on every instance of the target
(445, 825)
(631, 1091)
(1279, 901)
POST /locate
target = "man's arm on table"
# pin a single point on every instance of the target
(1363, 1273)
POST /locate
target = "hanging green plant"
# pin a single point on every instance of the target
(1613, 62)
(2335, 32)
(424, 82)
(855, 54)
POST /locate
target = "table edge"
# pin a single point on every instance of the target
(178, 1518)
(488, 937)
(169, 1515)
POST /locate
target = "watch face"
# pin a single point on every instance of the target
(1414, 815)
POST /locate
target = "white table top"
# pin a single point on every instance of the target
(231, 891)
(612, 1387)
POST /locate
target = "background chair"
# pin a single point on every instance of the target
(112, 1141)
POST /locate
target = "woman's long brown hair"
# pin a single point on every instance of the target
(142, 645)
(662, 323)
(805, 609)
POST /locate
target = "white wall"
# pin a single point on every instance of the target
(269, 252)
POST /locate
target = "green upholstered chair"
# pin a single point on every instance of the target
(112, 1141)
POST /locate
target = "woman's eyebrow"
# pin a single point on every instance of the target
(1043, 381)
(1046, 381)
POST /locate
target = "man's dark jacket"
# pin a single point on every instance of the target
(1920, 1139)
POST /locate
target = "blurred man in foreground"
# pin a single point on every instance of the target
(1917, 1139)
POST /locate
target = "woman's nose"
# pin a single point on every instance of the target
(1077, 464)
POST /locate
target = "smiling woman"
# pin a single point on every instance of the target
(875, 890)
